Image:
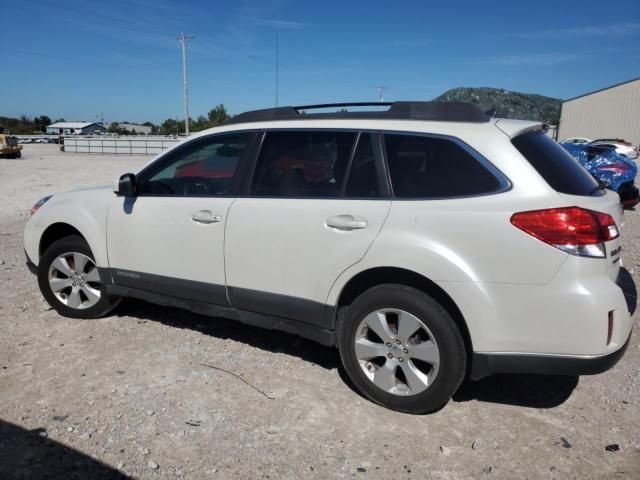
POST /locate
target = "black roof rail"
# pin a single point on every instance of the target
(430, 111)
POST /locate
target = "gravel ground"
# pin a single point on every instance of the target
(154, 392)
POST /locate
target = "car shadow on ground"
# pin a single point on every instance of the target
(269, 340)
(536, 391)
(30, 454)
(533, 391)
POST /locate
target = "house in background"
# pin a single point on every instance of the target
(75, 128)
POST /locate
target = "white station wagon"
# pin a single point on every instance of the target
(426, 241)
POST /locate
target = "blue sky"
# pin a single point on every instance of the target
(77, 59)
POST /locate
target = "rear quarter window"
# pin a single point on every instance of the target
(560, 170)
(425, 167)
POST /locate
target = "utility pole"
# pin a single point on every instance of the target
(184, 39)
(277, 61)
(381, 90)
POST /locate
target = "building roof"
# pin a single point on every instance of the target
(602, 89)
(70, 124)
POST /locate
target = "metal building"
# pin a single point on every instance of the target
(135, 128)
(613, 112)
(75, 128)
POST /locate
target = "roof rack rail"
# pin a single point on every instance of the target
(430, 111)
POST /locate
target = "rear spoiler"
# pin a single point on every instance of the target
(513, 128)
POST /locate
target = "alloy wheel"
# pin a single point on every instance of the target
(74, 280)
(397, 352)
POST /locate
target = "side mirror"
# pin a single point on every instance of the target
(125, 186)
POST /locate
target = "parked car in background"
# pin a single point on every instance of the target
(427, 242)
(620, 146)
(576, 140)
(616, 172)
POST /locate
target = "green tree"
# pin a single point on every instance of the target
(199, 124)
(169, 127)
(218, 115)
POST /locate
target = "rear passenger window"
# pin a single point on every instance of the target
(303, 164)
(362, 179)
(430, 167)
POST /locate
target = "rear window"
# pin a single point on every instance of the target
(559, 169)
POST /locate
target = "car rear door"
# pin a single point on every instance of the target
(316, 202)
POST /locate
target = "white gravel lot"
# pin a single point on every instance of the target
(133, 394)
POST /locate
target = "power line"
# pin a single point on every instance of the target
(184, 39)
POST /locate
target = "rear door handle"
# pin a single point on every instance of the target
(205, 216)
(346, 222)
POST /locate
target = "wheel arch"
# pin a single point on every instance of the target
(55, 232)
(385, 275)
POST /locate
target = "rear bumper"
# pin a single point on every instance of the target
(485, 364)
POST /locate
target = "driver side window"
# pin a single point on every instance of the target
(208, 168)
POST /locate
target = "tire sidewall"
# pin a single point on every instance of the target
(446, 334)
(71, 244)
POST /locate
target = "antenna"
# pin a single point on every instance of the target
(184, 39)
(277, 61)
(381, 90)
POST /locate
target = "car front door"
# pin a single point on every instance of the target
(169, 238)
(316, 203)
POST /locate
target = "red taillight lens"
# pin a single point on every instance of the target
(573, 229)
(619, 168)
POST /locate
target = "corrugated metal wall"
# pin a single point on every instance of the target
(611, 113)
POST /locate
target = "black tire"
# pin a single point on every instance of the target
(75, 244)
(444, 332)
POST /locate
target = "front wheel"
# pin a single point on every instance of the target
(401, 349)
(70, 280)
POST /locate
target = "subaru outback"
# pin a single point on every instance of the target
(426, 241)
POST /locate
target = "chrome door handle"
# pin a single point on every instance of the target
(205, 216)
(346, 222)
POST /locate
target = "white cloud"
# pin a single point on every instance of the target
(539, 59)
(281, 23)
(612, 30)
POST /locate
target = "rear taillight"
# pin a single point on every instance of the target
(574, 230)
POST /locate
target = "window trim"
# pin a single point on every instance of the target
(504, 184)
(347, 172)
(164, 160)
(383, 184)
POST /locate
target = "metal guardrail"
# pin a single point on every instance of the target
(118, 145)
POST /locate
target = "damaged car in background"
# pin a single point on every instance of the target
(621, 146)
(614, 171)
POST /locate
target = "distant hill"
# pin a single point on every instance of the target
(499, 102)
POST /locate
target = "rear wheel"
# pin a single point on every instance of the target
(401, 349)
(70, 280)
